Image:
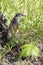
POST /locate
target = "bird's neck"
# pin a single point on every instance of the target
(17, 20)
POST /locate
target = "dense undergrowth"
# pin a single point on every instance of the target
(31, 26)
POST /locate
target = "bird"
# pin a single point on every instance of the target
(15, 22)
(14, 25)
(5, 31)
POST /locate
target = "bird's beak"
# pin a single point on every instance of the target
(23, 15)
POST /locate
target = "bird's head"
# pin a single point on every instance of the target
(18, 16)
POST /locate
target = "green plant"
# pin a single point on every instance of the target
(29, 50)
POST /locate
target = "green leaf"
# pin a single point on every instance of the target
(35, 52)
(29, 50)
